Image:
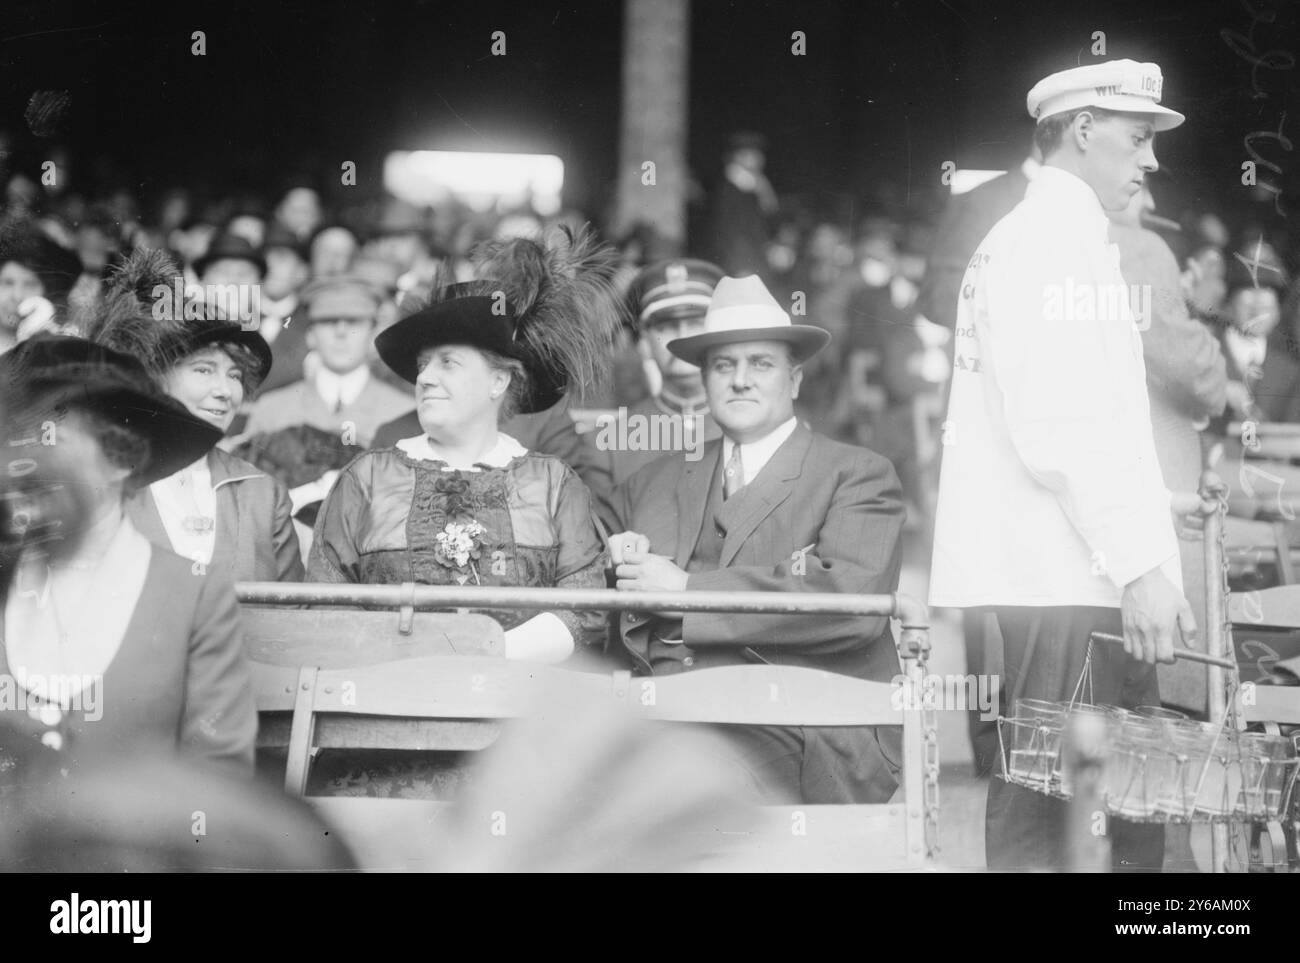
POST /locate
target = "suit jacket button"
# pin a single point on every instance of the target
(688, 661)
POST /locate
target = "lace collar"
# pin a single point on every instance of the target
(502, 453)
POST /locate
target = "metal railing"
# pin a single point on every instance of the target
(428, 597)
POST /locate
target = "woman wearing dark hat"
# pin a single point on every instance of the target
(108, 641)
(218, 511)
(462, 502)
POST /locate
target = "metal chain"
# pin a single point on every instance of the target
(1230, 715)
(1230, 710)
(930, 762)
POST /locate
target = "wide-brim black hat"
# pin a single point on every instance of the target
(548, 302)
(461, 317)
(51, 373)
(200, 334)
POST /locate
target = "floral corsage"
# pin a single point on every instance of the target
(459, 546)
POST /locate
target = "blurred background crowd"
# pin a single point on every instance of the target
(851, 155)
(882, 281)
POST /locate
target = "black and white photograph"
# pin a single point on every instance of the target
(651, 437)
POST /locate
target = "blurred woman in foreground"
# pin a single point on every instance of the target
(107, 641)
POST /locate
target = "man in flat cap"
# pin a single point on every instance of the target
(342, 395)
(1052, 513)
(770, 506)
(669, 300)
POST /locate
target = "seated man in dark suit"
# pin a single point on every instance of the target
(768, 507)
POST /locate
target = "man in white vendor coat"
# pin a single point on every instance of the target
(1052, 513)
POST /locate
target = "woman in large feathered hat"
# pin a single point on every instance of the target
(219, 511)
(463, 503)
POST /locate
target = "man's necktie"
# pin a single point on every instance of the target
(733, 477)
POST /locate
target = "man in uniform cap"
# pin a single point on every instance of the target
(670, 300)
(769, 506)
(1052, 513)
(341, 395)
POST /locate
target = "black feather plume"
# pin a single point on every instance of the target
(134, 317)
(560, 288)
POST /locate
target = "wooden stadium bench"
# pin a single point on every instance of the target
(421, 691)
(385, 706)
(280, 640)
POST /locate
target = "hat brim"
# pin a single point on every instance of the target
(460, 321)
(805, 339)
(46, 373)
(176, 438)
(467, 321)
(674, 312)
(1162, 118)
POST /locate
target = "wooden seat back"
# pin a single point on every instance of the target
(391, 706)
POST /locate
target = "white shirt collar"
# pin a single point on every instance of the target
(50, 642)
(1065, 190)
(341, 390)
(755, 454)
(502, 453)
(187, 505)
(1030, 168)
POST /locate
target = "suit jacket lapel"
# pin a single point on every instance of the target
(693, 499)
(772, 487)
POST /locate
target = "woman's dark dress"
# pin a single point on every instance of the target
(379, 525)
